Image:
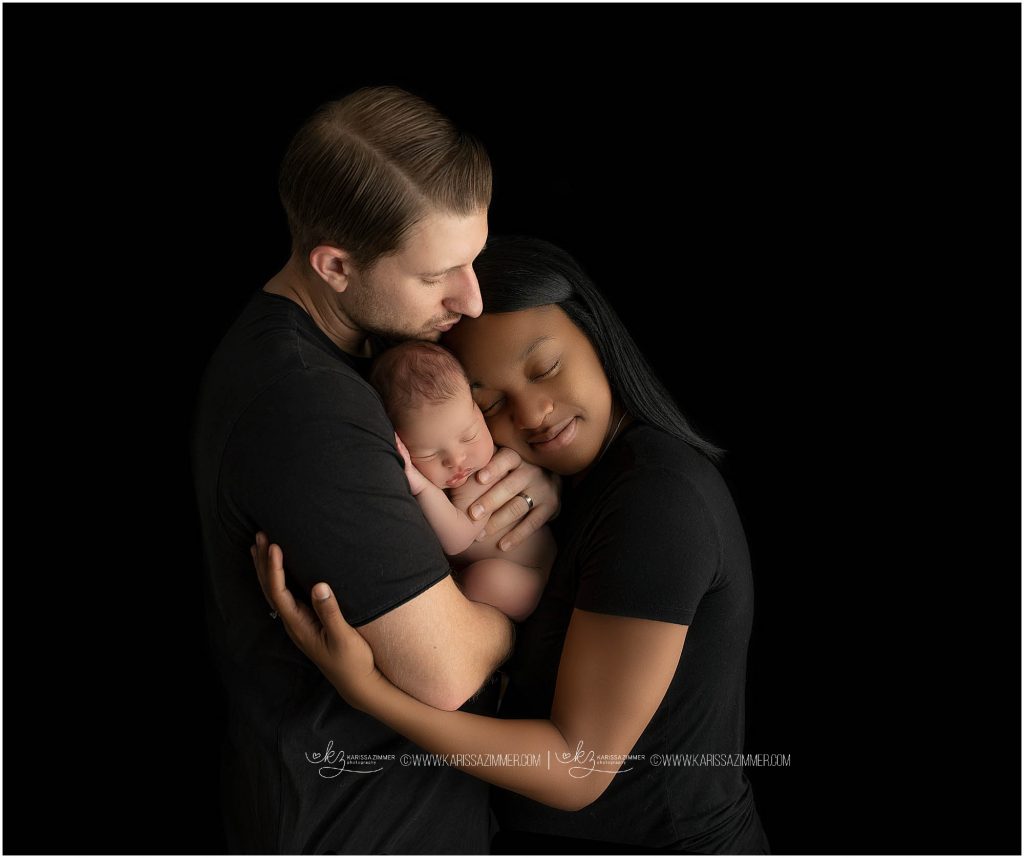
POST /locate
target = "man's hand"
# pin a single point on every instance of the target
(417, 482)
(510, 477)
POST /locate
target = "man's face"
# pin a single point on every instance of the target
(424, 288)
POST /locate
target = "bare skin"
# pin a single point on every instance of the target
(420, 291)
(439, 646)
(612, 676)
(613, 672)
(513, 581)
(393, 297)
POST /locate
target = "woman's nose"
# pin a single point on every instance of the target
(464, 297)
(530, 412)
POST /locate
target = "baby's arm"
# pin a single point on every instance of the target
(456, 530)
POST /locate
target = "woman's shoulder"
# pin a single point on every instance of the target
(655, 478)
(648, 468)
(643, 449)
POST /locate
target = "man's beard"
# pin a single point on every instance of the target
(378, 319)
(391, 333)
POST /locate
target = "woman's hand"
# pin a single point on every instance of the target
(417, 482)
(512, 476)
(340, 652)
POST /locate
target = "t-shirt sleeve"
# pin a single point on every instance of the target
(313, 463)
(653, 550)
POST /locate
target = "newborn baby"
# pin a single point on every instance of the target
(444, 439)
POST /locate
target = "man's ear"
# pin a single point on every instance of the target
(333, 265)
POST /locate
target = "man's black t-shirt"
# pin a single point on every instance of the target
(652, 532)
(290, 439)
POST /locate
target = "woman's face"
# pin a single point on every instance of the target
(539, 383)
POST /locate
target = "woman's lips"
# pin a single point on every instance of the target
(563, 438)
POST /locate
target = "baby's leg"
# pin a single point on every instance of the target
(510, 587)
(538, 549)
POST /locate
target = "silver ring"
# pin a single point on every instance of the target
(528, 499)
(273, 615)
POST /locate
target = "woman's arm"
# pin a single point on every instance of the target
(612, 676)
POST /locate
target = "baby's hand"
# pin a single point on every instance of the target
(417, 482)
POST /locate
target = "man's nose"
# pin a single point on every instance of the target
(464, 297)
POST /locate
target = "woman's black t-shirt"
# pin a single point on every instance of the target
(652, 532)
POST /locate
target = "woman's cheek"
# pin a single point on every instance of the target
(503, 437)
(497, 435)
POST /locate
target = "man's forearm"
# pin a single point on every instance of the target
(496, 639)
(440, 647)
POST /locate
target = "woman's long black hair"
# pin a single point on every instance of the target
(520, 273)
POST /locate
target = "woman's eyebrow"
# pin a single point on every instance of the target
(476, 385)
(529, 349)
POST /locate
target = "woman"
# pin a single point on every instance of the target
(638, 648)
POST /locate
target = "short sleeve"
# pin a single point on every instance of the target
(653, 549)
(313, 463)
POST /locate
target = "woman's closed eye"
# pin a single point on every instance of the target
(548, 372)
(492, 408)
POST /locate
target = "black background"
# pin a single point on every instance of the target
(827, 197)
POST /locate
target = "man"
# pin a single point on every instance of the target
(387, 207)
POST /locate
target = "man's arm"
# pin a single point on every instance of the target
(613, 675)
(315, 467)
(440, 647)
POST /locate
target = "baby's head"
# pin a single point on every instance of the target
(426, 395)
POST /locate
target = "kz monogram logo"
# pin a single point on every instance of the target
(332, 763)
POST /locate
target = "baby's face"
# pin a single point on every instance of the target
(448, 441)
